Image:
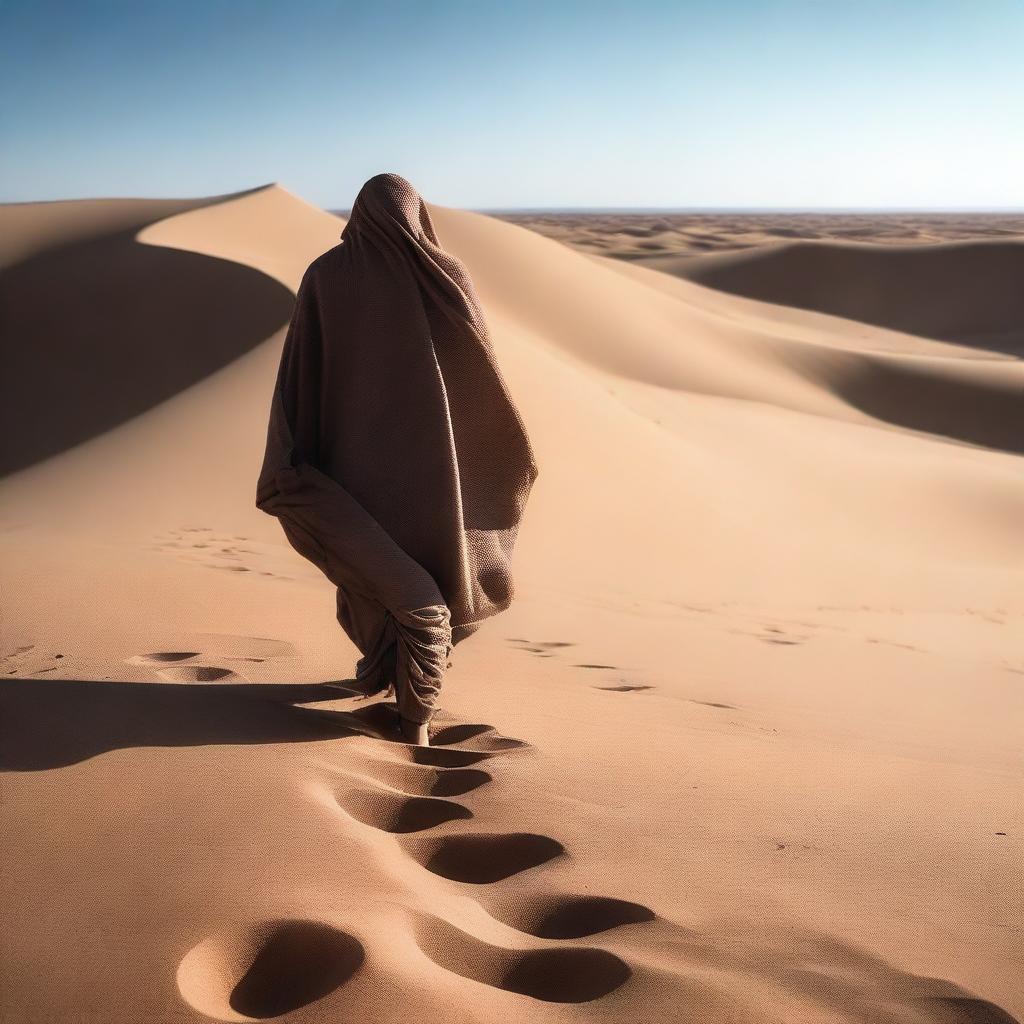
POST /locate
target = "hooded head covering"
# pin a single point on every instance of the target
(396, 460)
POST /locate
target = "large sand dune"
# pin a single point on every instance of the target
(760, 761)
(968, 292)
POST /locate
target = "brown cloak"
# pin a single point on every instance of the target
(396, 460)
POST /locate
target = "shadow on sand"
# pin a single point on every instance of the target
(96, 331)
(52, 723)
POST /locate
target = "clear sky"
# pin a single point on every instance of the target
(484, 104)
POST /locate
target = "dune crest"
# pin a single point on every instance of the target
(954, 291)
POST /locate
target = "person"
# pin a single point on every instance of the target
(396, 460)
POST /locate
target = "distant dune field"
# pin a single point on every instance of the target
(639, 234)
(758, 760)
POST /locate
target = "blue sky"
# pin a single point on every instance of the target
(735, 103)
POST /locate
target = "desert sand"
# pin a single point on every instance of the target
(640, 234)
(760, 762)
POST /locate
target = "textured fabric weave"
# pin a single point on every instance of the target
(396, 460)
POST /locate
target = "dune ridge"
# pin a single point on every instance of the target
(955, 291)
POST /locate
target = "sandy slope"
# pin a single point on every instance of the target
(967, 292)
(759, 761)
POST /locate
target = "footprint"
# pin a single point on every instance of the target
(541, 648)
(214, 647)
(482, 857)
(567, 916)
(381, 721)
(964, 1010)
(483, 738)
(892, 643)
(266, 969)
(457, 781)
(200, 545)
(437, 757)
(441, 757)
(18, 662)
(16, 658)
(463, 731)
(541, 643)
(625, 687)
(162, 656)
(771, 634)
(396, 812)
(476, 741)
(777, 635)
(414, 780)
(588, 665)
(200, 674)
(569, 975)
(714, 704)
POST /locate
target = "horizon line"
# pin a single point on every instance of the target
(748, 209)
(724, 209)
(596, 209)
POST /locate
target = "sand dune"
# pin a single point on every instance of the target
(107, 346)
(967, 292)
(634, 235)
(759, 762)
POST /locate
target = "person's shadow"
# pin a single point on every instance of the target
(51, 723)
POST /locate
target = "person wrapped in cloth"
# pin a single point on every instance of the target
(396, 460)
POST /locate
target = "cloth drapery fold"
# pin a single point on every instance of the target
(396, 460)
(387, 603)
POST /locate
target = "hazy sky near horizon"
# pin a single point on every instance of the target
(734, 103)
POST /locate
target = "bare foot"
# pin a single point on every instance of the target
(415, 732)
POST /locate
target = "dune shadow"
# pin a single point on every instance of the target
(53, 723)
(933, 397)
(97, 330)
(967, 292)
